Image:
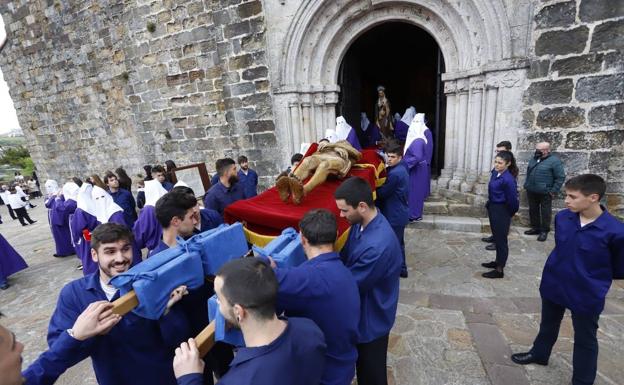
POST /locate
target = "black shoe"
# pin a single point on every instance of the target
(542, 237)
(532, 232)
(403, 274)
(526, 358)
(489, 239)
(490, 265)
(493, 274)
(415, 219)
(491, 246)
(33, 222)
(24, 224)
(4, 286)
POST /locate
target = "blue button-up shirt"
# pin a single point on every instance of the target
(579, 270)
(503, 189)
(374, 257)
(392, 196)
(135, 351)
(249, 182)
(219, 197)
(125, 200)
(167, 185)
(296, 357)
(309, 291)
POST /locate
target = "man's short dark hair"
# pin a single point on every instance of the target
(77, 180)
(109, 174)
(173, 204)
(587, 184)
(242, 159)
(183, 189)
(296, 158)
(394, 148)
(109, 233)
(319, 227)
(250, 283)
(158, 168)
(223, 165)
(506, 144)
(355, 190)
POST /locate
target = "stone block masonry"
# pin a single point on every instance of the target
(99, 84)
(575, 90)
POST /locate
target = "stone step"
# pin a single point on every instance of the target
(452, 223)
(453, 209)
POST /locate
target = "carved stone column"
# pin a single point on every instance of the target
(461, 124)
(446, 174)
(473, 133)
(319, 118)
(295, 125)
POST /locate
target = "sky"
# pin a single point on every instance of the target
(8, 117)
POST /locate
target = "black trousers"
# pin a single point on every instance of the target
(22, 214)
(11, 212)
(540, 211)
(400, 233)
(585, 354)
(371, 362)
(500, 219)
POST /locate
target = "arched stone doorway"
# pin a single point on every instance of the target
(408, 62)
(483, 82)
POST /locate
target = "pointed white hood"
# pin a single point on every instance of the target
(180, 183)
(153, 191)
(331, 136)
(408, 116)
(103, 204)
(70, 191)
(51, 187)
(364, 122)
(416, 130)
(342, 128)
(83, 199)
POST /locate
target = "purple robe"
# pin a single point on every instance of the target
(429, 156)
(400, 131)
(371, 136)
(353, 140)
(10, 261)
(415, 159)
(58, 217)
(82, 220)
(147, 231)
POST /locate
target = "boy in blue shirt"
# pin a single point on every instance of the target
(159, 174)
(373, 255)
(122, 197)
(309, 291)
(392, 196)
(247, 177)
(146, 344)
(588, 254)
(277, 351)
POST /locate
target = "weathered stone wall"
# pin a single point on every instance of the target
(574, 98)
(98, 84)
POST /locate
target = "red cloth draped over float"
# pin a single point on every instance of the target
(265, 216)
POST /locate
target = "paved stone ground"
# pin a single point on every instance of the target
(453, 327)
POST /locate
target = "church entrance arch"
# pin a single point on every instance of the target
(481, 84)
(408, 62)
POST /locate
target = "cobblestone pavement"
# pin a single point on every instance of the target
(452, 327)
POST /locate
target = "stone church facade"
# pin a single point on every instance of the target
(99, 84)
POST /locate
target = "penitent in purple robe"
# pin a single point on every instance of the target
(415, 159)
(82, 220)
(58, 218)
(429, 156)
(353, 140)
(400, 131)
(371, 136)
(10, 261)
(147, 231)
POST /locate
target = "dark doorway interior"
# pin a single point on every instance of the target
(408, 62)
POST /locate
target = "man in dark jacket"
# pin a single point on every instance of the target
(544, 179)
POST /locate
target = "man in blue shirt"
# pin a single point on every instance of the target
(247, 177)
(146, 344)
(392, 196)
(309, 291)
(277, 351)
(176, 213)
(123, 198)
(373, 255)
(588, 254)
(159, 174)
(228, 190)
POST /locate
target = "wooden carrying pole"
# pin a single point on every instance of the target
(205, 340)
